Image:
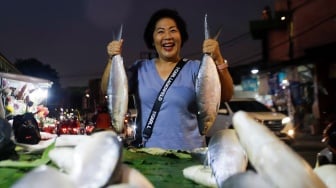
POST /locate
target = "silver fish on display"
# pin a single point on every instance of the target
(246, 179)
(327, 173)
(44, 176)
(200, 174)
(275, 161)
(226, 156)
(117, 91)
(208, 90)
(97, 160)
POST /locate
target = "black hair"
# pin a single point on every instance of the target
(164, 13)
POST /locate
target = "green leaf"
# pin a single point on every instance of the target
(44, 159)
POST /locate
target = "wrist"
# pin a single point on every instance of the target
(222, 65)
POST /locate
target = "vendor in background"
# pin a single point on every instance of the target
(176, 125)
(328, 154)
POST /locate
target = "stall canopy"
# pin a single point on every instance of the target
(21, 93)
(38, 82)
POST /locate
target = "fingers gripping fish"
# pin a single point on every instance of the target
(208, 90)
(117, 91)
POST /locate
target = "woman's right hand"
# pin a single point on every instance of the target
(114, 47)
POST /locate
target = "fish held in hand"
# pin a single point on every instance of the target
(226, 156)
(271, 157)
(208, 90)
(117, 91)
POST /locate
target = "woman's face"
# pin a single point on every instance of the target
(167, 39)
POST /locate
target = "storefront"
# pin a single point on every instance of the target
(287, 89)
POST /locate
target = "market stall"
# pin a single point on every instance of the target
(160, 170)
(21, 93)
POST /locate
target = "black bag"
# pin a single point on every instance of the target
(7, 146)
(26, 129)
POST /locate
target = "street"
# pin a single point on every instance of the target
(307, 146)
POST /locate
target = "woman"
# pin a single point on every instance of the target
(176, 124)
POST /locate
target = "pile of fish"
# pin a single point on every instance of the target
(273, 159)
(208, 90)
(224, 157)
(272, 162)
(96, 161)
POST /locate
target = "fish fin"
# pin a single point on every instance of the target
(207, 30)
(218, 32)
(119, 34)
(207, 160)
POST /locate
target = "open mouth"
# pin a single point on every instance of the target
(168, 46)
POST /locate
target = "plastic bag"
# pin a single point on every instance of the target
(26, 129)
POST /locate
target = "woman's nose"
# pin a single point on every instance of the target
(167, 35)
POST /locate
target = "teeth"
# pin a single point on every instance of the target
(167, 45)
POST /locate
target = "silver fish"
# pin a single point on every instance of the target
(44, 176)
(208, 90)
(327, 173)
(97, 160)
(200, 174)
(117, 91)
(275, 161)
(246, 179)
(226, 156)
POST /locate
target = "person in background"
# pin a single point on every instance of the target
(103, 119)
(328, 154)
(176, 125)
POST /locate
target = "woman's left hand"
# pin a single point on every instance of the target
(211, 47)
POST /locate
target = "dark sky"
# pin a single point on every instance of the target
(71, 35)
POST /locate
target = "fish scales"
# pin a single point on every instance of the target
(117, 93)
(208, 90)
(208, 93)
(117, 90)
(226, 156)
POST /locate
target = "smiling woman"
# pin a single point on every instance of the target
(174, 125)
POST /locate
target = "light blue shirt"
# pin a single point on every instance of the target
(176, 125)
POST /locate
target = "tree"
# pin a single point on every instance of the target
(33, 67)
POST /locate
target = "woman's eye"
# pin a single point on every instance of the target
(159, 31)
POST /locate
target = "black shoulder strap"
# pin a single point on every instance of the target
(148, 129)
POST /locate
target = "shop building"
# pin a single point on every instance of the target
(298, 66)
